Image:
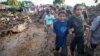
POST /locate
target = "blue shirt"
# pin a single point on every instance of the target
(61, 31)
(49, 20)
(95, 27)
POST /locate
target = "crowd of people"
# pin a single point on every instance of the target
(62, 22)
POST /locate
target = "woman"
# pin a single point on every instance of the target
(76, 22)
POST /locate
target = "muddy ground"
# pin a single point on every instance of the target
(31, 42)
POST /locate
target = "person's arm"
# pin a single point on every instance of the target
(95, 23)
(45, 21)
(53, 17)
(71, 30)
(93, 27)
(89, 38)
(71, 35)
(86, 32)
(70, 25)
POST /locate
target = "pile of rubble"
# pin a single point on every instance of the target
(13, 23)
(32, 42)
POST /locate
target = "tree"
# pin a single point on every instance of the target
(98, 5)
(62, 1)
(58, 1)
(4, 3)
(13, 3)
(95, 1)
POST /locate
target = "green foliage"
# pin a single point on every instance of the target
(4, 3)
(20, 5)
(13, 3)
(95, 1)
(26, 2)
(57, 1)
(12, 9)
(98, 5)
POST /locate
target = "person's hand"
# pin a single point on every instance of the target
(70, 37)
(87, 42)
(88, 45)
(71, 30)
(88, 37)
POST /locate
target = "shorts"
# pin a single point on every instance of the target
(49, 26)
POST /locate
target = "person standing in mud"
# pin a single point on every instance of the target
(48, 22)
(60, 29)
(76, 23)
(94, 36)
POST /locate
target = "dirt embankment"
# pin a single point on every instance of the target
(31, 42)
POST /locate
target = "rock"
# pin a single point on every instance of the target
(20, 27)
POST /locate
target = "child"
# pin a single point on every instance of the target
(77, 23)
(48, 21)
(60, 29)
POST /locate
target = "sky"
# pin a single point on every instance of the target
(67, 2)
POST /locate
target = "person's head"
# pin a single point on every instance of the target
(62, 15)
(78, 9)
(48, 13)
(69, 12)
(52, 12)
